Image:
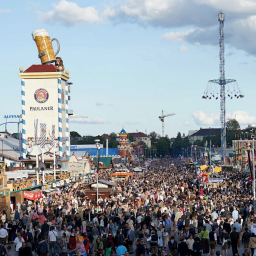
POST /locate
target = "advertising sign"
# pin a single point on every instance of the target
(33, 196)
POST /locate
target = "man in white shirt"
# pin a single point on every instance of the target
(235, 214)
(3, 234)
(52, 237)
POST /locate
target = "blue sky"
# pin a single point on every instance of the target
(129, 59)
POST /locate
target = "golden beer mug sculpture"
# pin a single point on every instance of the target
(44, 45)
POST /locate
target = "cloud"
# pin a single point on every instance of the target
(69, 13)
(186, 123)
(5, 11)
(200, 118)
(177, 36)
(243, 117)
(200, 16)
(86, 120)
(99, 103)
(183, 48)
(189, 21)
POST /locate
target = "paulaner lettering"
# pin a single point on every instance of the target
(40, 108)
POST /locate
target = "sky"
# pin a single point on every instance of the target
(131, 59)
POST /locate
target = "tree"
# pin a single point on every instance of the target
(198, 143)
(154, 137)
(74, 134)
(233, 125)
(113, 144)
(163, 146)
(113, 135)
(130, 137)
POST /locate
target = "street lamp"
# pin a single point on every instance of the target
(97, 144)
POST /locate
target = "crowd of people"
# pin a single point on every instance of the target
(165, 210)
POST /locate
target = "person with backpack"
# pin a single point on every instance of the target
(52, 238)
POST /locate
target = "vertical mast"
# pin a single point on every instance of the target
(221, 18)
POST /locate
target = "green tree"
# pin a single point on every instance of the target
(113, 144)
(199, 143)
(163, 146)
(233, 125)
(74, 134)
(113, 135)
(154, 137)
(130, 137)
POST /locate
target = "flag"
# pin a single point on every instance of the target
(42, 135)
(53, 136)
(35, 130)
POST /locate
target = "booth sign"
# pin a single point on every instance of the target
(33, 196)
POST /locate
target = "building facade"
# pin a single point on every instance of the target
(45, 97)
(124, 147)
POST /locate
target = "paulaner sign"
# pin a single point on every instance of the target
(40, 108)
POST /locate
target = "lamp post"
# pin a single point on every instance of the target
(97, 147)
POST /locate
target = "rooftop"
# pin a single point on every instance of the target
(122, 131)
(41, 68)
(138, 134)
(207, 132)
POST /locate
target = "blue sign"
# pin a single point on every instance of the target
(11, 116)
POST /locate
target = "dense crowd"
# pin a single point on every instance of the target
(165, 210)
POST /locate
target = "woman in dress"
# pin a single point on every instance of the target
(110, 239)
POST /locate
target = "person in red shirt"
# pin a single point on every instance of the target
(41, 218)
(23, 235)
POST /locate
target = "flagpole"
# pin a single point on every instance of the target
(37, 171)
(43, 162)
(36, 147)
(54, 169)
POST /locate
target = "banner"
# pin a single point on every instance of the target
(33, 195)
(53, 136)
(215, 180)
(35, 129)
(42, 135)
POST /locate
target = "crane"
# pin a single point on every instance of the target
(162, 117)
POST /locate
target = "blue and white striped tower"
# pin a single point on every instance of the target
(60, 117)
(67, 121)
(23, 116)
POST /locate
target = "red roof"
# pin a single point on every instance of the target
(138, 134)
(41, 68)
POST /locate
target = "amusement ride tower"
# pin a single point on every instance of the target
(212, 90)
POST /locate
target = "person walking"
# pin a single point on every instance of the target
(204, 235)
(246, 238)
(42, 249)
(213, 241)
(183, 247)
(252, 243)
(52, 238)
(234, 237)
